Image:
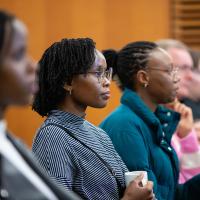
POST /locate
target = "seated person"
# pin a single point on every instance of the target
(21, 178)
(73, 75)
(141, 128)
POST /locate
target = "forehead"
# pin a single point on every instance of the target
(19, 33)
(100, 61)
(181, 57)
(159, 57)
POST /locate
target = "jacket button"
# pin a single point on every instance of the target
(165, 125)
(169, 148)
(168, 114)
(163, 133)
(162, 141)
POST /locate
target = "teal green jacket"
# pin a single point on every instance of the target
(143, 140)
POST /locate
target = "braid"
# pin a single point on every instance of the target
(59, 63)
(132, 58)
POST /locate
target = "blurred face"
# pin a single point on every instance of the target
(92, 89)
(17, 71)
(183, 60)
(163, 77)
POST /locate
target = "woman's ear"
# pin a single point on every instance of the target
(68, 88)
(143, 78)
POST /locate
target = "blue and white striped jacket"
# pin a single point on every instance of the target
(74, 165)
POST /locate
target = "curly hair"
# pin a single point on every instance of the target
(128, 61)
(59, 63)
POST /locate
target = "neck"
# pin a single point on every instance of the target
(147, 99)
(73, 107)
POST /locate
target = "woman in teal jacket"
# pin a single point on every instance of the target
(139, 128)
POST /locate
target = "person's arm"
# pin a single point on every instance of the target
(133, 151)
(188, 152)
(52, 153)
(190, 156)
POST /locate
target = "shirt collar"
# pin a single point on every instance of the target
(66, 117)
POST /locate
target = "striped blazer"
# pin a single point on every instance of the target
(82, 163)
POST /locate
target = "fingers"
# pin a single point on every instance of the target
(149, 190)
(139, 178)
(149, 186)
(182, 109)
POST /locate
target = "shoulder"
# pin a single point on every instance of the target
(121, 118)
(51, 133)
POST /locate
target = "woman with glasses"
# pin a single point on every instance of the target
(21, 178)
(140, 128)
(79, 155)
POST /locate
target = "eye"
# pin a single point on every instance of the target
(18, 54)
(98, 73)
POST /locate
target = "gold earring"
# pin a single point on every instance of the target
(69, 89)
(145, 85)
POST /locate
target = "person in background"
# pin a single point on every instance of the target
(141, 128)
(196, 60)
(73, 75)
(185, 140)
(21, 178)
(188, 92)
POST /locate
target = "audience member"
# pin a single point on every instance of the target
(140, 128)
(20, 176)
(188, 92)
(79, 155)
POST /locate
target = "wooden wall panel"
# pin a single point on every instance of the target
(111, 23)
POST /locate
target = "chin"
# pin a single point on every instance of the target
(100, 105)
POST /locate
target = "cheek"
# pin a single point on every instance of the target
(86, 90)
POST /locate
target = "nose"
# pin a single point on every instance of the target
(106, 82)
(176, 78)
(31, 66)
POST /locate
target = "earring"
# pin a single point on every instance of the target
(69, 89)
(145, 85)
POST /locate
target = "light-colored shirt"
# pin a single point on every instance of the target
(12, 155)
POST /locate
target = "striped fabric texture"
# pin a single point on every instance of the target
(75, 166)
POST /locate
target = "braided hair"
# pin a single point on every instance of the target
(128, 61)
(59, 63)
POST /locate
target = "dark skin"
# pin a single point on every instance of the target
(162, 86)
(17, 70)
(86, 90)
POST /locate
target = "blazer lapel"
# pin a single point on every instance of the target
(59, 191)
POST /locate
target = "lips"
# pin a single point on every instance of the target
(106, 95)
(32, 86)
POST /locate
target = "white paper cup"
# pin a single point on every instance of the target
(130, 176)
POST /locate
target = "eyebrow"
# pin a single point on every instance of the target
(100, 68)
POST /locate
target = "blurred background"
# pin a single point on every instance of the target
(111, 23)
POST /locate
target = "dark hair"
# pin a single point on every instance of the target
(128, 61)
(5, 18)
(59, 63)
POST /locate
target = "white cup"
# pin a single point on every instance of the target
(130, 176)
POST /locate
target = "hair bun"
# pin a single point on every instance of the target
(111, 57)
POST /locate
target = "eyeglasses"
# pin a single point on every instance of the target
(173, 72)
(101, 75)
